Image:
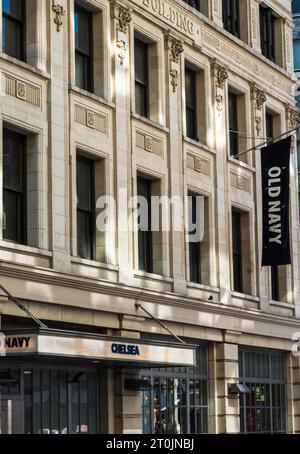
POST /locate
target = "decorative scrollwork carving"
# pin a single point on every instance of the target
(124, 18)
(122, 51)
(176, 49)
(260, 98)
(59, 14)
(222, 76)
(174, 79)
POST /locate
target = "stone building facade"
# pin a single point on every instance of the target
(108, 98)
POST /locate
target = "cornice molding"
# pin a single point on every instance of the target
(50, 277)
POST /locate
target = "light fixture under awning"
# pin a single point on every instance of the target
(57, 343)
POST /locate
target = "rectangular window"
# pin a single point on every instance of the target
(269, 126)
(83, 48)
(194, 247)
(263, 410)
(267, 32)
(141, 78)
(14, 187)
(231, 17)
(233, 123)
(237, 252)
(145, 240)
(194, 3)
(13, 28)
(191, 103)
(85, 208)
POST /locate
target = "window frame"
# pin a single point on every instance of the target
(21, 22)
(233, 123)
(231, 17)
(92, 212)
(237, 252)
(191, 108)
(21, 194)
(267, 32)
(89, 58)
(145, 112)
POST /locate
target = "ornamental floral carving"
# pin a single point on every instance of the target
(219, 101)
(59, 14)
(292, 116)
(21, 90)
(124, 18)
(174, 79)
(258, 125)
(90, 121)
(122, 51)
(260, 98)
(222, 76)
(176, 49)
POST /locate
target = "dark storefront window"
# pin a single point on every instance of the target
(264, 408)
(54, 401)
(141, 77)
(267, 33)
(83, 48)
(145, 240)
(14, 187)
(191, 103)
(231, 16)
(85, 208)
(178, 402)
(13, 28)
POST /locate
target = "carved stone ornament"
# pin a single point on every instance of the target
(21, 90)
(59, 14)
(293, 116)
(174, 79)
(219, 101)
(124, 18)
(258, 125)
(122, 51)
(90, 121)
(222, 75)
(176, 49)
(260, 98)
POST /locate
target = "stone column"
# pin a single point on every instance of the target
(173, 50)
(227, 371)
(219, 93)
(121, 20)
(127, 404)
(59, 141)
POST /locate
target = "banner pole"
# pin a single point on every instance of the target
(265, 143)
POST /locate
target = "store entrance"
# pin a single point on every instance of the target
(47, 401)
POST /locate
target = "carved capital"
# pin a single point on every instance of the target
(124, 19)
(176, 49)
(292, 114)
(259, 97)
(220, 73)
(59, 14)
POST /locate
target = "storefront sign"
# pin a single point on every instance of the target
(275, 169)
(95, 348)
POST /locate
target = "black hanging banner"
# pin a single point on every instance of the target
(275, 168)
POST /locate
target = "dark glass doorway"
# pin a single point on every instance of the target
(50, 401)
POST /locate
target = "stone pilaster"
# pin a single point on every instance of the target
(127, 404)
(254, 26)
(227, 371)
(287, 31)
(216, 13)
(293, 394)
(175, 74)
(219, 94)
(122, 62)
(258, 113)
(59, 144)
